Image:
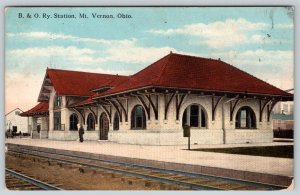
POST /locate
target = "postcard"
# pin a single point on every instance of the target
(149, 98)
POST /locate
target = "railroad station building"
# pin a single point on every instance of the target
(220, 103)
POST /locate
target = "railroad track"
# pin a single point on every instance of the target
(18, 181)
(194, 181)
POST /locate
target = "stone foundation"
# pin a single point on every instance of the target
(153, 137)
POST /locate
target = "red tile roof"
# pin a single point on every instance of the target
(117, 80)
(82, 103)
(190, 72)
(75, 83)
(40, 108)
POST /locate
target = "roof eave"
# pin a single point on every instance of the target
(286, 98)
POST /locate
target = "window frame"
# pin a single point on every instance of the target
(70, 121)
(57, 102)
(90, 115)
(116, 117)
(57, 126)
(187, 115)
(250, 115)
(133, 117)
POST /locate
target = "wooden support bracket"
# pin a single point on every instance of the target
(81, 114)
(167, 104)
(262, 107)
(147, 107)
(232, 108)
(179, 100)
(108, 111)
(214, 106)
(270, 108)
(124, 110)
(154, 106)
(94, 114)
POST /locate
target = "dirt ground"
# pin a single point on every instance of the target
(71, 177)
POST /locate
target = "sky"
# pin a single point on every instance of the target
(258, 40)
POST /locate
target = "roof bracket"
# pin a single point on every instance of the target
(80, 113)
(167, 104)
(214, 106)
(147, 108)
(117, 109)
(262, 107)
(232, 108)
(154, 107)
(179, 100)
(108, 112)
(123, 108)
(94, 114)
(270, 108)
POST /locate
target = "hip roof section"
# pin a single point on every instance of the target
(190, 72)
(75, 83)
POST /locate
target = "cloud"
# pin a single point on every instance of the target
(136, 54)
(55, 55)
(258, 57)
(258, 39)
(126, 50)
(275, 67)
(51, 51)
(222, 34)
(289, 26)
(56, 36)
(122, 51)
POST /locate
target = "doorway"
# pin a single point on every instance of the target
(104, 127)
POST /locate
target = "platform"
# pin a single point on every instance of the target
(256, 168)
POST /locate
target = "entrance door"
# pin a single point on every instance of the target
(104, 127)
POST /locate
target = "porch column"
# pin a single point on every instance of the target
(44, 127)
(33, 127)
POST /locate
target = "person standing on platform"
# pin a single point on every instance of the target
(80, 131)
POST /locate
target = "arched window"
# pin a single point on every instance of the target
(245, 118)
(90, 122)
(138, 118)
(116, 121)
(194, 116)
(73, 122)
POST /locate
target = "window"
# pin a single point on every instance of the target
(57, 120)
(90, 122)
(57, 102)
(245, 118)
(17, 112)
(138, 118)
(194, 116)
(73, 122)
(116, 122)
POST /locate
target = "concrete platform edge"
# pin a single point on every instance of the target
(213, 171)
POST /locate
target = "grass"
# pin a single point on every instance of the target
(270, 151)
